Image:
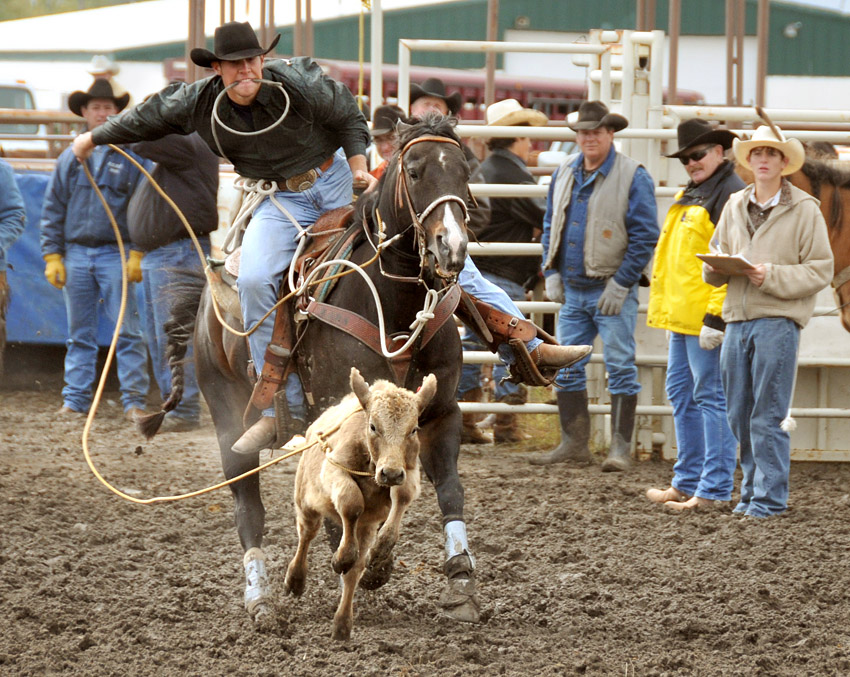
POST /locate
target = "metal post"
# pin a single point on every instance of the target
(376, 83)
(640, 15)
(297, 32)
(675, 21)
(761, 61)
(308, 28)
(741, 28)
(272, 27)
(197, 38)
(492, 36)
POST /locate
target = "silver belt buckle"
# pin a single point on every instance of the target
(302, 182)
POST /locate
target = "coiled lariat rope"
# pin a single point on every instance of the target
(422, 318)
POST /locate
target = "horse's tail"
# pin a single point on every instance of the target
(179, 328)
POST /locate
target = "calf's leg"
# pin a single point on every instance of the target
(381, 555)
(348, 502)
(296, 573)
(344, 616)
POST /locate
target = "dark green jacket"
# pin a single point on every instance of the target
(322, 117)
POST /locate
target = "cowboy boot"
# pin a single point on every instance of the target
(575, 430)
(622, 427)
(470, 433)
(505, 429)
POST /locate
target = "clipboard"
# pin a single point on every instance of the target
(727, 264)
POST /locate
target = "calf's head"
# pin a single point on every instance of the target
(392, 415)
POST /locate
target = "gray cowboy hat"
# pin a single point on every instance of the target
(385, 119)
(435, 87)
(595, 114)
(698, 132)
(233, 41)
(100, 89)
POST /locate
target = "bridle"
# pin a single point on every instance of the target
(402, 196)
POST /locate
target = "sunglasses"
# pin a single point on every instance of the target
(696, 155)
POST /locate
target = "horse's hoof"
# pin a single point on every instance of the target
(264, 617)
(459, 600)
(377, 574)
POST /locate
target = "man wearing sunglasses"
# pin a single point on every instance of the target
(690, 310)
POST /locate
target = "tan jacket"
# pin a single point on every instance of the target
(793, 242)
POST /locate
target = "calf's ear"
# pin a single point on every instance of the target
(426, 393)
(360, 387)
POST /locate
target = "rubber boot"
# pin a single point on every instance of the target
(622, 427)
(470, 433)
(575, 430)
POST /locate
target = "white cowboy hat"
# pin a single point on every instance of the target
(510, 112)
(764, 136)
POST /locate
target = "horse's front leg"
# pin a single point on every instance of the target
(381, 557)
(440, 446)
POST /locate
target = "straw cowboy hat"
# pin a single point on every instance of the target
(595, 114)
(510, 112)
(100, 89)
(233, 41)
(764, 136)
(699, 132)
(435, 87)
(385, 119)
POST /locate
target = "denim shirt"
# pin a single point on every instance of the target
(72, 211)
(641, 223)
(12, 214)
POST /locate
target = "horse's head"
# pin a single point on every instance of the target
(429, 178)
(392, 415)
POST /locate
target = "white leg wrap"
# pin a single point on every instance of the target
(456, 541)
(256, 578)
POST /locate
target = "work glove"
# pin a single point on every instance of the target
(709, 337)
(555, 288)
(613, 297)
(134, 266)
(54, 270)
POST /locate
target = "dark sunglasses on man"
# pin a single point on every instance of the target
(695, 155)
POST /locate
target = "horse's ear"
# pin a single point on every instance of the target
(426, 393)
(360, 387)
(402, 127)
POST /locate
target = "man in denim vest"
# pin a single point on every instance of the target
(599, 233)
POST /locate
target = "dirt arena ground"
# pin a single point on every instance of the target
(578, 573)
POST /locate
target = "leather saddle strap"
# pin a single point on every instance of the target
(275, 360)
(502, 326)
(841, 279)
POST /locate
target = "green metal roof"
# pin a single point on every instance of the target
(820, 48)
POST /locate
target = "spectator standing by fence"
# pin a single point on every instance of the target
(779, 229)
(599, 232)
(13, 220)
(187, 170)
(689, 309)
(82, 258)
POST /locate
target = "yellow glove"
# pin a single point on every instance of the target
(134, 266)
(54, 271)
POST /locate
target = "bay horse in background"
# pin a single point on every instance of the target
(829, 183)
(420, 206)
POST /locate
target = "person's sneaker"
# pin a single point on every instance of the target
(176, 424)
(133, 414)
(548, 355)
(66, 412)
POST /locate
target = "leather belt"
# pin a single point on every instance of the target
(305, 180)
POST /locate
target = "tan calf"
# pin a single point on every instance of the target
(362, 470)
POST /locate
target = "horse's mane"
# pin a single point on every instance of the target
(821, 173)
(430, 124)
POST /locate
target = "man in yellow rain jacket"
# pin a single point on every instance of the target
(690, 310)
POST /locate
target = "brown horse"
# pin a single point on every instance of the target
(419, 208)
(830, 184)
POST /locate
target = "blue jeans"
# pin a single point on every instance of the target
(94, 278)
(759, 361)
(579, 322)
(470, 375)
(705, 464)
(473, 282)
(268, 246)
(163, 270)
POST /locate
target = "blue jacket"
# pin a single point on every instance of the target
(13, 218)
(72, 211)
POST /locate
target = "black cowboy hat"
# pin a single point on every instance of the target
(594, 114)
(435, 87)
(100, 89)
(698, 132)
(385, 118)
(233, 41)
